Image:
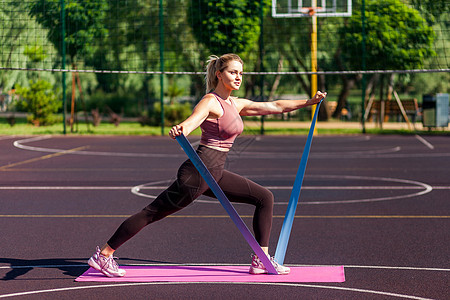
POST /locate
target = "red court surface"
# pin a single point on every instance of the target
(377, 205)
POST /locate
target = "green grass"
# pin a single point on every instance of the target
(125, 128)
(133, 128)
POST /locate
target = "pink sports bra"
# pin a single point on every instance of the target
(223, 131)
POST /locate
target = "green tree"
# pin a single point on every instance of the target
(226, 25)
(84, 23)
(16, 30)
(113, 47)
(397, 38)
(41, 101)
(437, 14)
(432, 10)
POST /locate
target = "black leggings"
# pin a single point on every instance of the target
(189, 185)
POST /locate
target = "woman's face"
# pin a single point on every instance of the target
(231, 77)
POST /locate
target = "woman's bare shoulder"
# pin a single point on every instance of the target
(210, 103)
(209, 98)
(241, 102)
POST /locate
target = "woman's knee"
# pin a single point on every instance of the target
(267, 198)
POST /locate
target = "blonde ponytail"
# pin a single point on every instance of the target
(214, 64)
(211, 78)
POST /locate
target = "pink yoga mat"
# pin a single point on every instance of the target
(216, 274)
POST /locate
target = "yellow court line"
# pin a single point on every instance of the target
(244, 216)
(41, 158)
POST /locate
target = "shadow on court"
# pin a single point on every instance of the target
(20, 267)
(71, 267)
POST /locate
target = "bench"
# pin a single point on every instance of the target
(392, 109)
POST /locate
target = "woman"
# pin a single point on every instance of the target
(219, 116)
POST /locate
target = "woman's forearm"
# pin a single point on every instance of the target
(284, 106)
(290, 105)
(250, 108)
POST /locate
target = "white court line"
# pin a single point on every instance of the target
(275, 284)
(138, 190)
(228, 264)
(349, 289)
(254, 155)
(65, 188)
(425, 142)
(118, 285)
(19, 144)
(425, 189)
(162, 187)
(331, 187)
(380, 153)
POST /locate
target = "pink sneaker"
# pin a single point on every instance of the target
(106, 265)
(258, 268)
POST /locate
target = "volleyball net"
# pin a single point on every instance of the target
(130, 45)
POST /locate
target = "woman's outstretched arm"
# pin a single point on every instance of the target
(252, 108)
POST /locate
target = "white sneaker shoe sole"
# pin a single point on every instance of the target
(92, 263)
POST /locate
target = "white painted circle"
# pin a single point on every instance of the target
(412, 185)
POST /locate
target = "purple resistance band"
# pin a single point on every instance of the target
(295, 195)
(198, 163)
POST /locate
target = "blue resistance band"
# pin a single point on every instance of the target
(283, 240)
(198, 163)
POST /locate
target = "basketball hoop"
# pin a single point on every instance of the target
(310, 10)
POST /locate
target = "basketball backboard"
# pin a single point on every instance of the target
(303, 8)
